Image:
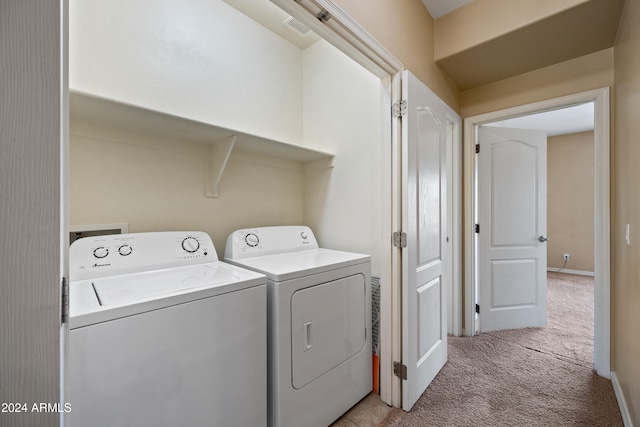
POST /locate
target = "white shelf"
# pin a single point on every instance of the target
(223, 141)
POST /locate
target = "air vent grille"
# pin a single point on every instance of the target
(297, 26)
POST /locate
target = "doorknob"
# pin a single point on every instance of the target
(542, 239)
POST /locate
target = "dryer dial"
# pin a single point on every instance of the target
(252, 239)
(190, 244)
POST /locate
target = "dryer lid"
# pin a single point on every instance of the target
(294, 265)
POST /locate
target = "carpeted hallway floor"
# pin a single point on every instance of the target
(526, 377)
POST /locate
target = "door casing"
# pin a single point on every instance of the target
(602, 230)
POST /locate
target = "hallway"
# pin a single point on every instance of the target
(533, 376)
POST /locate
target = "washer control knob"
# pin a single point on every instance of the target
(190, 244)
(304, 236)
(100, 252)
(252, 239)
(125, 250)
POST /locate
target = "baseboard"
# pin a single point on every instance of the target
(567, 271)
(622, 403)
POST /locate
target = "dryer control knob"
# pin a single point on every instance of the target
(125, 250)
(190, 244)
(252, 239)
(100, 252)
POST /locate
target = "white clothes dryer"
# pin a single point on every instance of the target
(319, 323)
(164, 334)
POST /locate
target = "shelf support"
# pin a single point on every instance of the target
(219, 153)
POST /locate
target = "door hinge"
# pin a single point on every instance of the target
(64, 301)
(477, 228)
(478, 308)
(400, 239)
(477, 148)
(399, 109)
(400, 370)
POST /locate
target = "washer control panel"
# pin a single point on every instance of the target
(100, 256)
(269, 240)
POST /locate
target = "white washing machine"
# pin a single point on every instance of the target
(164, 334)
(319, 322)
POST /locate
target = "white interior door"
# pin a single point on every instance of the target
(512, 219)
(424, 259)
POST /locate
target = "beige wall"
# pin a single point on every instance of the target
(156, 184)
(514, 37)
(570, 201)
(461, 29)
(406, 29)
(626, 199)
(577, 75)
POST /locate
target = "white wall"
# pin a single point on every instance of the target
(342, 114)
(158, 184)
(211, 63)
(199, 59)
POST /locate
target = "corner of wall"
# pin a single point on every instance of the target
(622, 402)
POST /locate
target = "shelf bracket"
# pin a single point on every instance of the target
(219, 153)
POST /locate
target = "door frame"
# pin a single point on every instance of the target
(602, 228)
(348, 36)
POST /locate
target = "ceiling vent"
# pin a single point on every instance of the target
(297, 26)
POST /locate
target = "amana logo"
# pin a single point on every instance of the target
(100, 265)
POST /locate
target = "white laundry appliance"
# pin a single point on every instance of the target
(164, 334)
(319, 321)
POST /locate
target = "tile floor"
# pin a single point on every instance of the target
(369, 412)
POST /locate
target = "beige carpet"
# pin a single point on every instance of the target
(527, 377)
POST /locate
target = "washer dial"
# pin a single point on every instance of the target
(190, 244)
(100, 252)
(125, 250)
(252, 239)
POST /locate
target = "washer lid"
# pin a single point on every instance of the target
(293, 265)
(116, 290)
(108, 298)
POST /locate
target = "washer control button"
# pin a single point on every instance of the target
(190, 244)
(100, 252)
(125, 250)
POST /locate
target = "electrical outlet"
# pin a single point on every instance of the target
(566, 257)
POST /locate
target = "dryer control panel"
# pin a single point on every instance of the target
(109, 255)
(262, 241)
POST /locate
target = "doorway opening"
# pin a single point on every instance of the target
(601, 233)
(569, 193)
